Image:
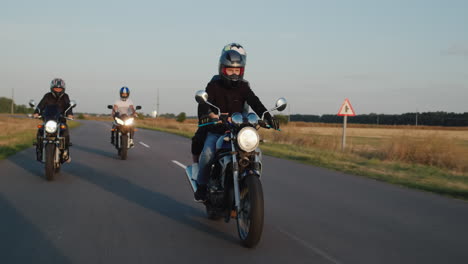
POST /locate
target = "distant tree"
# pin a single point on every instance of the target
(167, 115)
(282, 119)
(181, 117)
(81, 116)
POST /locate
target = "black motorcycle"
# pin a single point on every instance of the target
(123, 130)
(50, 142)
(234, 187)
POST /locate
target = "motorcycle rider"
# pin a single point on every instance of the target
(57, 96)
(123, 106)
(229, 93)
(198, 140)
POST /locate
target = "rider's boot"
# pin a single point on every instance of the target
(200, 194)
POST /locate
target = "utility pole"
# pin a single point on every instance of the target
(12, 100)
(416, 117)
(157, 103)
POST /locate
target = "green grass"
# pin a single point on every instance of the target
(24, 140)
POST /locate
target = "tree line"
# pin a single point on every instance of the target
(438, 118)
(5, 107)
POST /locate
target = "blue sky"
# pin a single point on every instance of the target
(385, 56)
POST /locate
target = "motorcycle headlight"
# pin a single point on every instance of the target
(51, 126)
(252, 118)
(119, 121)
(248, 139)
(237, 118)
(129, 121)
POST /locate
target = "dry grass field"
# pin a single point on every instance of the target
(18, 133)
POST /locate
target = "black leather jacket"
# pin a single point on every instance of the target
(62, 101)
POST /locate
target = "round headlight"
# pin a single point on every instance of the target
(129, 121)
(237, 118)
(119, 121)
(248, 139)
(51, 126)
(252, 118)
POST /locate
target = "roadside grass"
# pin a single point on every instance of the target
(426, 158)
(18, 133)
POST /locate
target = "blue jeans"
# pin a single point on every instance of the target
(206, 157)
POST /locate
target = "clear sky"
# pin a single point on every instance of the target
(390, 56)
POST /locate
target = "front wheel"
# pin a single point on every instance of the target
(124, 147)
(49, 161)
(250, 215)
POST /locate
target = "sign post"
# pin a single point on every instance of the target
(345, 111)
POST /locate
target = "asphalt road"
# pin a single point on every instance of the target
(104, 210)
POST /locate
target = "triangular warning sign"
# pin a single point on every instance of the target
(346, 109)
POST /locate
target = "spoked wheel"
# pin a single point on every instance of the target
(49, 161)
(250, 215)
(124, 147)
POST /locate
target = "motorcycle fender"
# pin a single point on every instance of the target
(250, 172)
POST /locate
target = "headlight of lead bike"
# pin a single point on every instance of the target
(51, 126)
(248, 139)
(119, 121)
(129, 121)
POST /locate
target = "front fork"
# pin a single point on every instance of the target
(56, 142)
(118, 140)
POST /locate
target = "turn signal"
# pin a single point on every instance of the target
(63, 126)
(40, 126)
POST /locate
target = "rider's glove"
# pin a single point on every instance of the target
(272, 121)
(204, 120)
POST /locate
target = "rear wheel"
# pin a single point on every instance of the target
(124, 147)
(250, 215)
(49, 161)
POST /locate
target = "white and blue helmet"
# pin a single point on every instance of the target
(124, 93)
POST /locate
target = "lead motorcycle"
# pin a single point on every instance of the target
(234, 186)
(123, 129)
(50, 144)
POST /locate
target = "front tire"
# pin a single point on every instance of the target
(250, 215)
(124, 147)
(49, 161)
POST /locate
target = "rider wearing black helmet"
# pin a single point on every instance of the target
(229, 92)
(57, 96)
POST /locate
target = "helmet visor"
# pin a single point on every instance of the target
(233, 71)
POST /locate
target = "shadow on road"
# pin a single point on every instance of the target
(157, 202)
(27, 160)
(22, 242)
(94, 151)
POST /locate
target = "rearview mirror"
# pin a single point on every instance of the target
(281, 104)
(110, 106)
(138, 107)
(201, 97)
(32, 103)
(72, 103)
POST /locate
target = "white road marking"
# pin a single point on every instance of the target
(144, 144)
(180, 164)
(310, 246)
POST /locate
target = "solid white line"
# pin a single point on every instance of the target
(310, 246)
(144, 144)
(180, 164)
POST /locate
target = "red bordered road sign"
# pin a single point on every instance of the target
(346, 109)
